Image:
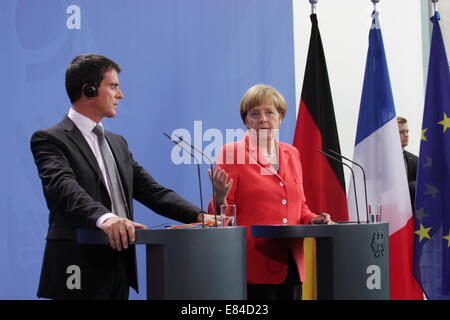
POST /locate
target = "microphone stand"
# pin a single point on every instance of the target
(364, 179)
(353, 176)
(212, 174)
(198, 172)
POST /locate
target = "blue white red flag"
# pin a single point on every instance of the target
(378, 150)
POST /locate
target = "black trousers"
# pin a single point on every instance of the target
(101, 272)
(290, 289)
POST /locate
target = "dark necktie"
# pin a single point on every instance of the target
(112, 175)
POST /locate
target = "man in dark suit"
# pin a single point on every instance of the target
(410, 159)
(89, 179)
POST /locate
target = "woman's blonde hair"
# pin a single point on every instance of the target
(256, 94)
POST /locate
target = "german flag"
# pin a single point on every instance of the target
(323, 178)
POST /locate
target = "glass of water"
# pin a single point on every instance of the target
(375, 213)
(228, 215)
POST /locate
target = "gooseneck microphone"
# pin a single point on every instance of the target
(364, 179)
(198, 173)
(353, 176)
(212, 173)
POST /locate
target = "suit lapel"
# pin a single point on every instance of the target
(74, 134)
(266, 167)
(283, 160)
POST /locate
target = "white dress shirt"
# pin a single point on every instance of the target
(85, 125)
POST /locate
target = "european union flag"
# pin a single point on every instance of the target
(432, 215)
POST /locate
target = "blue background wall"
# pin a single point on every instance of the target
(182, 60)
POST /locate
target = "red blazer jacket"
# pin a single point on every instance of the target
(263, 196)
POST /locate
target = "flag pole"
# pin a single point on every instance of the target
(435, 6)
(313, 6)
(375, 4)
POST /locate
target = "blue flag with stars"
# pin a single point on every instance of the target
(432, 203)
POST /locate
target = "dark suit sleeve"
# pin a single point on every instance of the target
(160, 199)
(412, 161)
(63, 194)
(412, 182)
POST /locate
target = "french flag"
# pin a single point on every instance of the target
(378, 150)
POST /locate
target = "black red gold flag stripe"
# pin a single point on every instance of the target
(323, 178)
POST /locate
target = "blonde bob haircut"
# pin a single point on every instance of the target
(255, 96)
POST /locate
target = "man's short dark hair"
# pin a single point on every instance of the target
(401, 120)
(86, 69)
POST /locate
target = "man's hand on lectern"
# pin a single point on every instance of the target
(120, 231)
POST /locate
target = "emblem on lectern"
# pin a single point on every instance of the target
(378, 244)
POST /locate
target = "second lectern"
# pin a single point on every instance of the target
(352, 259)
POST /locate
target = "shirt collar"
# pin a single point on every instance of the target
(83, 123)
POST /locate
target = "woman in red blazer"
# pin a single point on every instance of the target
(263, 178)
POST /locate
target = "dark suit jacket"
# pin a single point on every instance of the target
(411, 171)
(76, 196)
